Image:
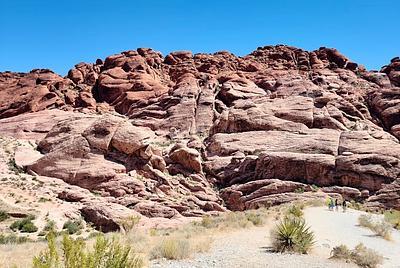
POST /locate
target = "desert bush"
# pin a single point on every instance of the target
(14, 167)
(381, 228)
(356, 205)
(295, 210)
(315, 202)
(208, 222)
(299, 190)
(73, 226)
(172, 248)
(366, 257)
(254, 218)
(314, 188)
(292, 235)
(233, 220)
(25, 225)
(341, 252)
(12, 239)
(50, 226)
(3, 215)
(393, 217)
(365, 220)
(105, 254)
(360, 255)
(130, 222)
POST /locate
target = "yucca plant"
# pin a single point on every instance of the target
(292, 235)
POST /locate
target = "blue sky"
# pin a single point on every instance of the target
(57, 34)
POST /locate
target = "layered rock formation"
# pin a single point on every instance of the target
(159, 135)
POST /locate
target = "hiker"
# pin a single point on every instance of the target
(336, 204)
(344, 205)
(331, 204)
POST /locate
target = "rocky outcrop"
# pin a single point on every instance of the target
(157, 135)
(393, 71)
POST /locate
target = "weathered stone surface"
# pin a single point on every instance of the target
(393, 71)
(189, 158)
(158, 134)
(128, 138)
(106, 217)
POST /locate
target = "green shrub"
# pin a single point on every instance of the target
(29, 227)
(292, 235)
(12, 239)
(360, 255)
(314, 188)
(14, 167)
(356, 205)
(3, 215)
(105, 254)
(299, 190)
(295, 210)
(25, 225)
(73, 226)
(393, 217)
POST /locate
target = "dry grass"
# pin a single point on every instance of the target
(177, 243)
(172, 248)
(19, 255)
(393, 217)
(381, 228)
(235, 220)
(360, 255)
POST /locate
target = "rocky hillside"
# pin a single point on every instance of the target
(185, 135)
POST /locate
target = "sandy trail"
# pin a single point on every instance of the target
(248, 248)
(334, 228)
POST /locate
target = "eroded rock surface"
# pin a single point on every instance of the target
(157, 135)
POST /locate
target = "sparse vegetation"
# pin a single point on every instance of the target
(172, 248)
(130, 222)
(50, 226)
(393, 217)
(381, 228)
(295, 211)
(314, 188)
(43, 199)
(14, 167)
(360, 255)
(234, 220)
(73, 226)
(25, 225)
(356, 205)
(365, 220)
(3, 215)
(106, 253)
(12, 239)
(299, 190)
(292, 235)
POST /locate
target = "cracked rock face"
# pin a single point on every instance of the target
(158, 135)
